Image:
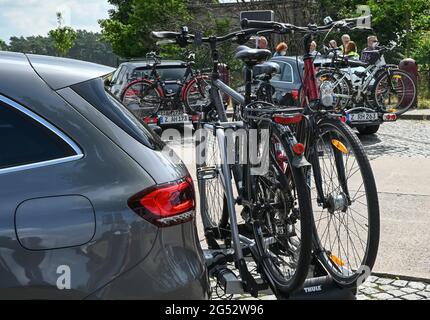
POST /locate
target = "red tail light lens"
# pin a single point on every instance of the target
(299, 149)
(295, 94)
(195, 118)
(150, 120)
(390, 117)
(287, 119)
(166, 205)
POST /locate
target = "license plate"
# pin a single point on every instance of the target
(362, 117)
(174, 119)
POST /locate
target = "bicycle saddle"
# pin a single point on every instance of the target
(252, 56)
(268, 68)
(164, 34)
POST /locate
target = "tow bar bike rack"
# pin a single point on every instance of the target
(318, 286)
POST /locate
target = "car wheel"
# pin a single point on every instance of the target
(368, 129)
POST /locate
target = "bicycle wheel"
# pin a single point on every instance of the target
(142, 98)
(345, 203)
(335, 89)
(394, 91)
(213, 208)
(283, 226)
(197, 94)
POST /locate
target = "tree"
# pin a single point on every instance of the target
(130, 23)
(3, 45)
(32, 44)
(89, 46)
(64, 37)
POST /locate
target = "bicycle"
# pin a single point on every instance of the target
(380, 86)
(344, 196)
(151, 95)
(277, 232)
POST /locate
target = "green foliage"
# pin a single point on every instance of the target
(130, 23)
(3, 45)
(64, 37)
(36, 45)
(88, 46)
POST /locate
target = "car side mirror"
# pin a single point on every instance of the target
(108, 82)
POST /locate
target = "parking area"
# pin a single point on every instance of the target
(400, 157)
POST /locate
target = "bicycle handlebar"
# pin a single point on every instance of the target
(184, 39)
(348, 24)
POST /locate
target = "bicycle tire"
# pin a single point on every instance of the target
(214, 212)
(142, 100)
(199, 86)
(337, 262)
(292, 178)
(407, 97)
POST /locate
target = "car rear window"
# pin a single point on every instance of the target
(165, 73)
(95, 93)
(25, 141)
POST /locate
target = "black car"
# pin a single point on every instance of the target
(288, 82)
(171, 73)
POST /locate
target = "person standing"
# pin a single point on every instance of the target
(351, 50)
(345, 39)
(281, 49)
(262, 43)
(369, 54)
(313, 49)
(333, 44)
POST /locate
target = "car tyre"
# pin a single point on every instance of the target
(368, 129)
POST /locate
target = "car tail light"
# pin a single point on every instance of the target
(287, 119)
(195, 118)
(166, 205)
(389, 117)
(150, 120)
(295, 95)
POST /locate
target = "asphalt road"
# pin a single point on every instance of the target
(400, 157)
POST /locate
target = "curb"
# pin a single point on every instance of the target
(400, 277)
(406, 116)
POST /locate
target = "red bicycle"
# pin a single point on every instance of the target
(148, 95)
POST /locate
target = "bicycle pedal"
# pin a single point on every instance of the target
(207, 173)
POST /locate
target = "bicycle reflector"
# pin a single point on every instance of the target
(166, 205)
(287, 119)
(389, 116)
(299, 149)
(339, 146)
(337, 260)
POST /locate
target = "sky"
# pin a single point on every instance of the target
(37, 17)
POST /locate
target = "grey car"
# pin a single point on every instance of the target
(90, 205)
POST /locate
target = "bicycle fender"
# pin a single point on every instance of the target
(300, 162)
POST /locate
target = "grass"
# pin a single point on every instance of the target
(423, 103)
